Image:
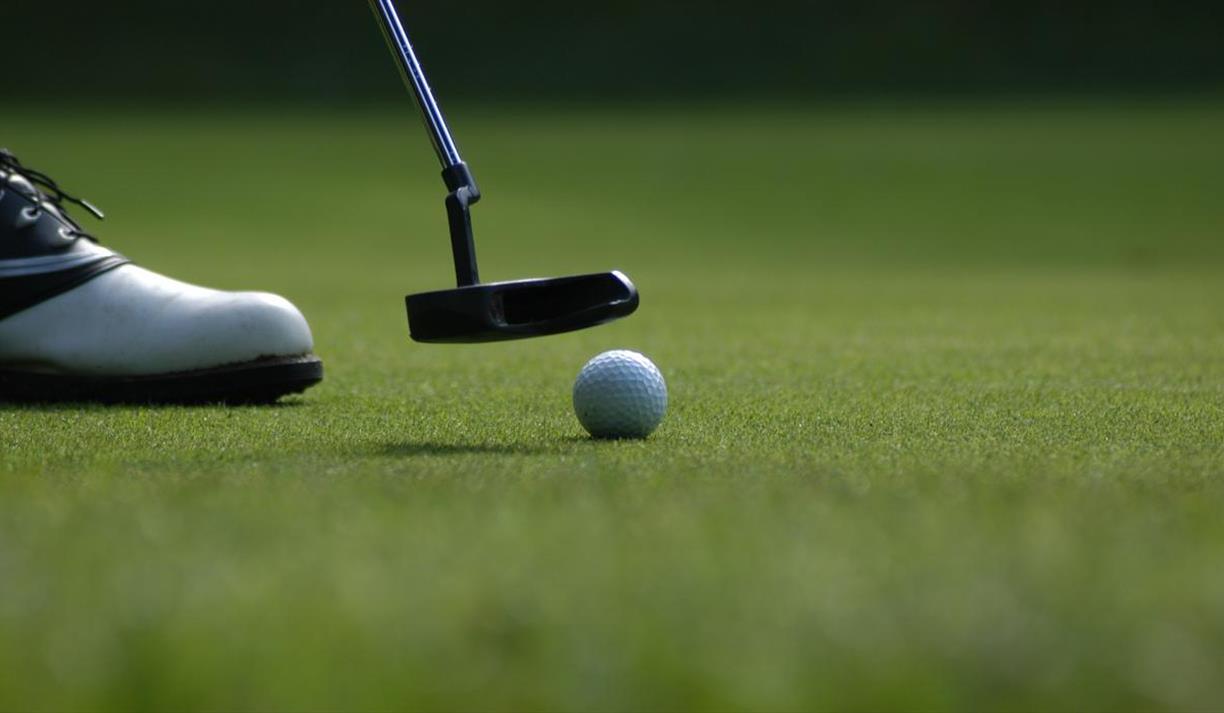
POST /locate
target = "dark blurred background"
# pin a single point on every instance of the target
(330, 51)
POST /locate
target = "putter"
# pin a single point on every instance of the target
(493, 311)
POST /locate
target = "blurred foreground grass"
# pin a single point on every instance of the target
(947, 424)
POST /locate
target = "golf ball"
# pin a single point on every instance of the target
(620, 394)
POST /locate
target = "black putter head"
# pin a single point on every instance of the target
(497, 311)
(478, 311)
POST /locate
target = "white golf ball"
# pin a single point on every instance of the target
(620, 394)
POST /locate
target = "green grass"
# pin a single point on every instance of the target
(946, 426)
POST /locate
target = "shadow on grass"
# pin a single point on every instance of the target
(430, 448)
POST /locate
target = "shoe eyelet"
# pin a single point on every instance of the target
(26, 217)
(67, 234)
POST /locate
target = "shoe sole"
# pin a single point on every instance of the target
(262, 381)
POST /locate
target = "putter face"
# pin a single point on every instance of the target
(497, 311)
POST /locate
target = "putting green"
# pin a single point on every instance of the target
(946, 427)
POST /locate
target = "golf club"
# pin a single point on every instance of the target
(494, 311)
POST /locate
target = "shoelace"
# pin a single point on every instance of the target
(50, 190)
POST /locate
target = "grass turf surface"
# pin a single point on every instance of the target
(946, 430)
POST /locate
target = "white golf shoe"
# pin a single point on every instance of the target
(79, 322)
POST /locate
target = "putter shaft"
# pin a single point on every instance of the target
(455, 173)
(414, 78)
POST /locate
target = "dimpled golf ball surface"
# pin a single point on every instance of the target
(620, 394)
